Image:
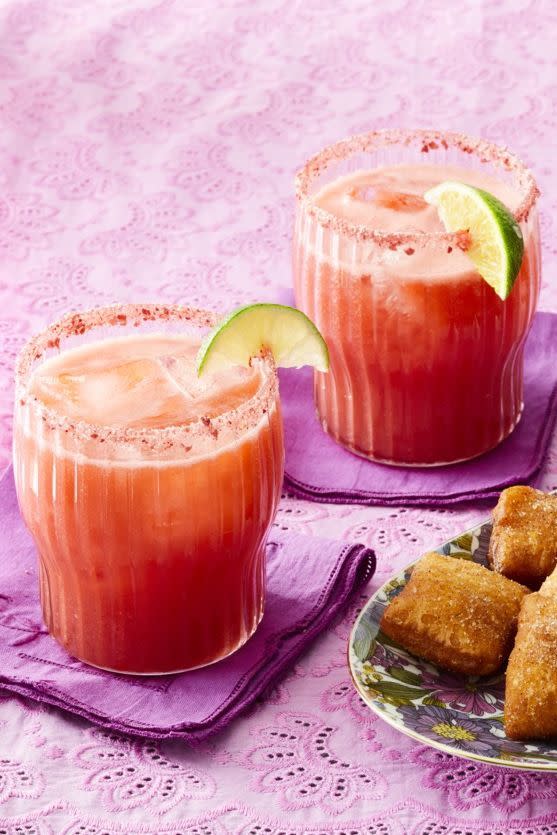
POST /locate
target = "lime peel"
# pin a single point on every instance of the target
(250, 330)
(496, 242)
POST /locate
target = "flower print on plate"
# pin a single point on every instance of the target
(457, 714)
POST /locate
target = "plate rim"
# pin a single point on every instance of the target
(440, 746)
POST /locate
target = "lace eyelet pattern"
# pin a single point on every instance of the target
(148, 152)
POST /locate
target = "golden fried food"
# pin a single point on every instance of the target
(549, 586)
(457, 614)
(531, 682)
(523, 543)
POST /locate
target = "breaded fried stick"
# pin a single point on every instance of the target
(531, 681)
(457, 614)
(523, 544)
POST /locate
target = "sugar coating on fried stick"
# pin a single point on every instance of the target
(549, 586)
(531, 680)
(523, 543)
(456, 614)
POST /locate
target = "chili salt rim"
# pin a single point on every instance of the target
(430, 140)
(241, 418)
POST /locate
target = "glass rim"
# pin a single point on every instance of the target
(427, 140)
(241, 418)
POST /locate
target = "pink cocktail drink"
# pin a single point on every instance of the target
(426, 359)
(148, 491)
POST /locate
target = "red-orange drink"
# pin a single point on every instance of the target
(149, 492)
(426, 359)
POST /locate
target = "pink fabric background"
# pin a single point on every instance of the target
(147, 152)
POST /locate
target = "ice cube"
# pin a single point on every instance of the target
(182, 373)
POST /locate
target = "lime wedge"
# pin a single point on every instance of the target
(496, 240)
(246, 332)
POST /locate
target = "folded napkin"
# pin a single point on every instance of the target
(317, 468)
(310, 581)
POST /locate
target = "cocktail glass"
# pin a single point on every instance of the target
(150, 538)
(425, 369)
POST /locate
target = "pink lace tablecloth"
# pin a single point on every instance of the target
(147, 152)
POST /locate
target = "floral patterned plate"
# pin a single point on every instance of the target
(461, 716)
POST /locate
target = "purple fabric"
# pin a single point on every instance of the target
(310, 581)
(317, 468)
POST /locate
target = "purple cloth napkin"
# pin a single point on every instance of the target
(317, 468)
(310, 581)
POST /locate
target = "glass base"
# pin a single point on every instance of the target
(182, 669)
(417, 465)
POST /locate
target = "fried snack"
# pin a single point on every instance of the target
(457, 614)
(549, 586)
(523, 543)
(531, 683)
